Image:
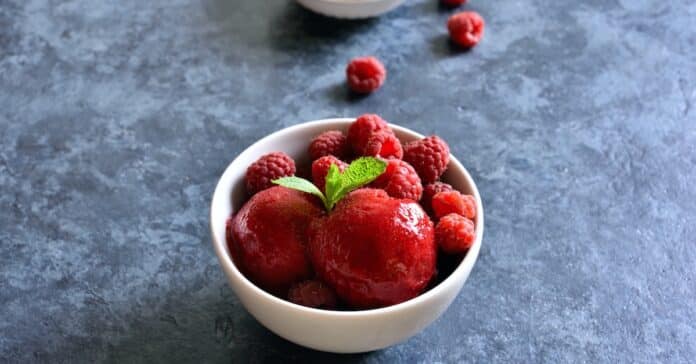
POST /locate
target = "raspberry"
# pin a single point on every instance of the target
(313, 294)
(365, 74)
(455, 234)
(469, 207)
(362, 128)
(320, 168)
(453, 202)
(267, 168)
(383, 144)
(452, 3)
(429, 157)
(466, 28)
(400, 180)
(429, 191)
(331, 142)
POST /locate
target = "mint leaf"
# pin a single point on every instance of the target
(363, 171)
(359, 173)
(300, 184)
(332, 185)
(338, 184)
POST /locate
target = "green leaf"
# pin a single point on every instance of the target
(332, 185)
(363, 171)
(300, 184)
(359, 173)
(338, 184)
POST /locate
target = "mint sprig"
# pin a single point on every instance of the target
(300, 184)
(338, 184)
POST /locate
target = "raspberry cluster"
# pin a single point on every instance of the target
(285, 242)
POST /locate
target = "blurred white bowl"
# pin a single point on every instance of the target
(351, 9)
(334, 331)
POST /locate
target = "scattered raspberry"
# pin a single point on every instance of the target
(453, 3)
(313, 294)
(331, 142)
(362, 128)
(383, 144)
(453, 202)
(466, 28)
(455, 234)
(320, 168)
(267, 168)
(400, 180)
(429, 191)
(365, 74)
(428, 156)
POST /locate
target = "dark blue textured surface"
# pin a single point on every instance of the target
(575, 117)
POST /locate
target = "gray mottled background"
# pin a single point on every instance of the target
(576, 118)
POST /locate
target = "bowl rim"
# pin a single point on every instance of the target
(228, 265)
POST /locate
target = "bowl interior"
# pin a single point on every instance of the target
(230, 192)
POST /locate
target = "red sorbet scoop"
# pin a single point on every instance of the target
(374, 250)
(268, 237)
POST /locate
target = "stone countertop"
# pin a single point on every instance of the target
(576, 118)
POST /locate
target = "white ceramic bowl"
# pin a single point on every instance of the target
(333, 331)
(350, 9)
